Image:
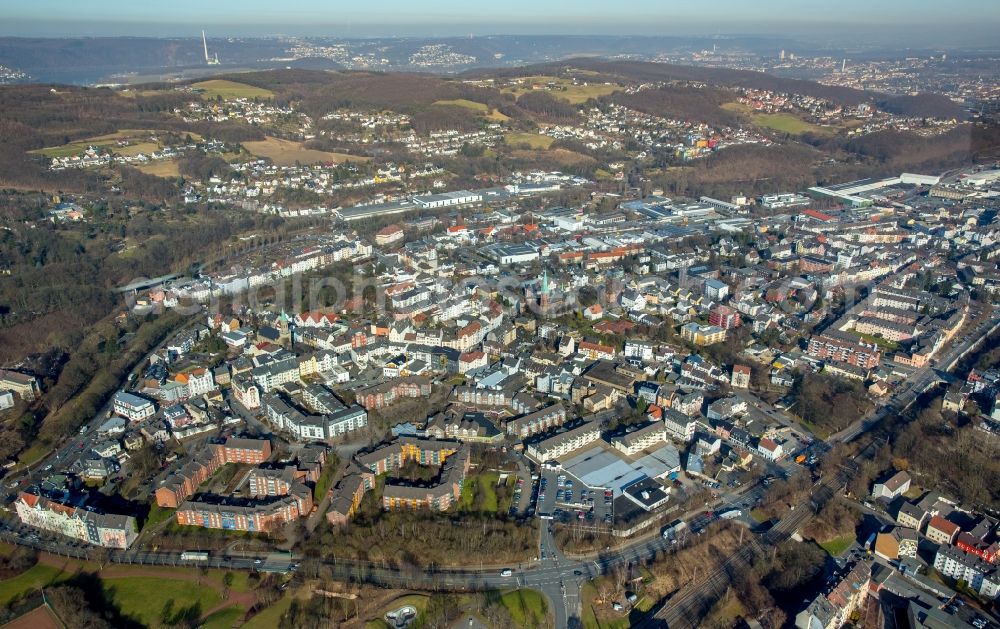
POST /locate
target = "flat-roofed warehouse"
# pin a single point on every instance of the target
(361, 212)
(447, 199)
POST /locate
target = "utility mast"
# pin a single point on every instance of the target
(212, 61)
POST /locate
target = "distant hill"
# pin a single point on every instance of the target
(924, 105)
(644, 71)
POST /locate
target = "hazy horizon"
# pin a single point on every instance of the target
(919, 24)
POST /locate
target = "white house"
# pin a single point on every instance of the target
(894, 486)
(133, 407)
(770, 449)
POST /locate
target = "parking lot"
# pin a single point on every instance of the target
(561, 493)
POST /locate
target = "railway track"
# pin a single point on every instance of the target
(686, 608)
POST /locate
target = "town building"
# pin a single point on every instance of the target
(85, 524)
(134, 407)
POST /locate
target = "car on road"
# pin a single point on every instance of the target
(506, 572)
(578, 573)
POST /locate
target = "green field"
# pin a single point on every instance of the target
(287, 153)
(563, 89)
(34, 454)
(783, 122)
(788, 123)
(271, 616)
(884, 343)
(473, 105)
(483, 484)
(224, 619)
(527, 608)
(36, 577)
(836, 546)
(758, 515)
(167, 168)
(139, 142)
(533, 140)
(588, 594)
(221, 88)
(145, 598)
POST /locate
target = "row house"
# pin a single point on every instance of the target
(647, 436)
(182, 482)
(347, 494)
(834, 609)
(287, 481)
(381, 395)
(265, 517)
(539, 421)
(393, 456)
(596, 351)
(246, 392)
(273, 372)
(565, 442)
(438, 497)
(962, 566)
(836, 346)
(87, 525)
(678, 425)
(481, 396)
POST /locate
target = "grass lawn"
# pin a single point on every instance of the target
(783, 122)
(533, 140)
(884, 343)
(287, 153)
(239, 584)
(645, 604)
(34, 454)
(479, 107)
(224, 619)
(588, 593)
(486, 486)
(758, 515)
(786, 123)
(230, 89)
(36, 577)
(562, 156)
(416, 601)
(158, 515)
(323, 484)
(527, 607)
(563, 89)
(836, 546)
(726, 615)
(577, 94)
(271, 616)
(143, 598)
(161, 168)
(139, 142)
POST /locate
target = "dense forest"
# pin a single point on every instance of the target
(682, 103)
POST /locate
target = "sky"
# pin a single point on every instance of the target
(461, 17)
